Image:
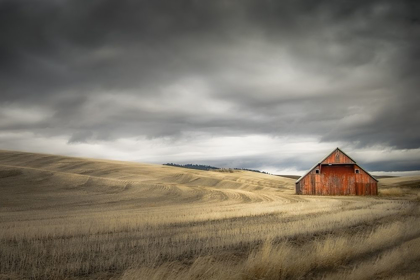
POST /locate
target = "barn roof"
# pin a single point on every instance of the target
(327, 157)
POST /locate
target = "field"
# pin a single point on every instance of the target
(68, 218)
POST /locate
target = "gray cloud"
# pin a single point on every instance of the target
(338, 71)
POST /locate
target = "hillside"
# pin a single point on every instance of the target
(408, 187)
(64, 217)
(75, 182)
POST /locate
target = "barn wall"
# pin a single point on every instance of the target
(365, 184)
(309, 183)
(337, 180)
(337, 157)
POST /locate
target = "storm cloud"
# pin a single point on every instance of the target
(233, 83)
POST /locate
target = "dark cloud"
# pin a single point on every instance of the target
(337, 71)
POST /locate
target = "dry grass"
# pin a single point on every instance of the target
(285, 260)
(63, 218)
(393, 192)
(408, 187)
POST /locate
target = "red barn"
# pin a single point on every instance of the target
(337, 174)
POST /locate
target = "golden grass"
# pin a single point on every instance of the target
(285, 260)
(393, 192)
(408, 187)
(63, 218)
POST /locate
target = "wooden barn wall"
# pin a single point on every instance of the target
(337, 180)
(365, 184)
(337, 157)
(308, 184)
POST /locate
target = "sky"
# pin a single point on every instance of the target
(269, 85)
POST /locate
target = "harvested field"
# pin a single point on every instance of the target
(68, 218)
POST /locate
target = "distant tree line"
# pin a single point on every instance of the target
(252, 170)
(209, 167)
(193, 166)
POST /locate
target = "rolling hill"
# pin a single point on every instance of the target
(64, 217)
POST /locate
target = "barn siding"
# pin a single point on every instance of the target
(337, 157)
(337, 177)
